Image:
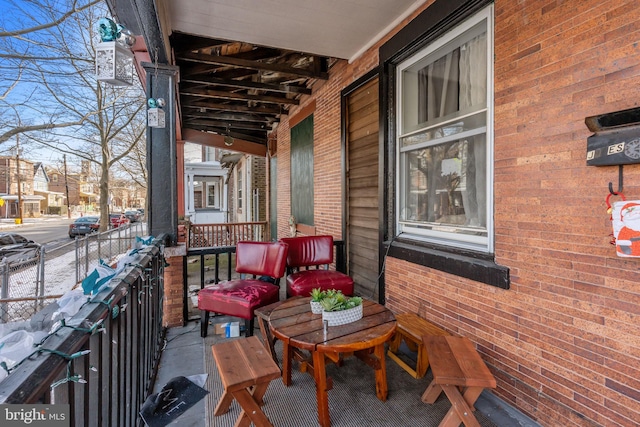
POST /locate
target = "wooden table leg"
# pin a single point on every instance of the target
(381, 374)
(251, 411)
(461, 410)
(320, 376)
(286, 363)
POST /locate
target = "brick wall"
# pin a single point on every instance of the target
(173, 287)
(564, 341)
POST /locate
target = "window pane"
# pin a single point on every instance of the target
(446, 184)
(443, 144)
(446, 82)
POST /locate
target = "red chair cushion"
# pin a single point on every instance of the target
(237, 298)
(261, 258)
(302, 282)
(309, 250)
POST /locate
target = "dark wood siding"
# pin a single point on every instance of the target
(302, 171)
(362, 187)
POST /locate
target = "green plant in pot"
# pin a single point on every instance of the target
(339, 310)
(317, 295)
(339, 302)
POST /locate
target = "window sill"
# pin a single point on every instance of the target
(470, 266)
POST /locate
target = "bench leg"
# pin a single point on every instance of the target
(204, 323)
(432, 392)
(251, 411)
(461, 409)
(224, 404)
(422, 363)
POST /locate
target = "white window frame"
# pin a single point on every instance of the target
(215, 185)
(239, 188)
(432, 233)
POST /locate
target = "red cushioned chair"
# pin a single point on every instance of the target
(308, 266)
(239, 298)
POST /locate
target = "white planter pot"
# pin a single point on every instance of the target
(316, 307)
(336, 318)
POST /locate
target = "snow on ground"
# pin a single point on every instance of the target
(18, 337)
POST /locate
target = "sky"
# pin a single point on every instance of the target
(34, 103)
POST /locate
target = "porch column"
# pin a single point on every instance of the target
(189, 195)
(162, 192)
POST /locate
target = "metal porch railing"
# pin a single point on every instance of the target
(102, 362)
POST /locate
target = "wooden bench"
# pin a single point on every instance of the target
(411, 329)
(246, 369)
(459, 371)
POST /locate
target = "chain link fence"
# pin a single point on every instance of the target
(27, 287)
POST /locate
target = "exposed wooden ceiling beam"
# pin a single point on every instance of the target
(247, 84)
(255, 65)
(213, 140)
(263, 109)
(253, 118)
(204, 121)
(240, 96)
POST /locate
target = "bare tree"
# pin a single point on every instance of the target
(25, 29)
(134, 165)
(113, 117)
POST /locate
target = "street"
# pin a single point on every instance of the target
(49, 232)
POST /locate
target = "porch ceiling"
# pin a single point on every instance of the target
(244, 64)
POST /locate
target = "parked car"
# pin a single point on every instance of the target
(16, 248)
(84, 225)
(118, 220)
(133, 216)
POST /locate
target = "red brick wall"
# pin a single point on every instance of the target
(173, 291)
(564, 341)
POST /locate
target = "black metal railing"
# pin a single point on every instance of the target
(102, 361)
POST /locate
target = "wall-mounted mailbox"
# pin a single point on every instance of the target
(616, 138)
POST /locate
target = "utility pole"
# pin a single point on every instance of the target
(66, 185)
(19, 220)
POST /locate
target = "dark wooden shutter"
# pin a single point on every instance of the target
(362, 188)
(302, 171)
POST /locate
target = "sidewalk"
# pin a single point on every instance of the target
(10, 223)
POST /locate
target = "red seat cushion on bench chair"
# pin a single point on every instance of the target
(237, 298)
(302, 282)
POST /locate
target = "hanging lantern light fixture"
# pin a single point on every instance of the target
(155, 113)
(228, 139)
(114, 59)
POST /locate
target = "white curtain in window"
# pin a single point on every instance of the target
(473, 93)
(438, 96)
(455, 82)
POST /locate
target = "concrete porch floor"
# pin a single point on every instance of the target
(184, 355)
